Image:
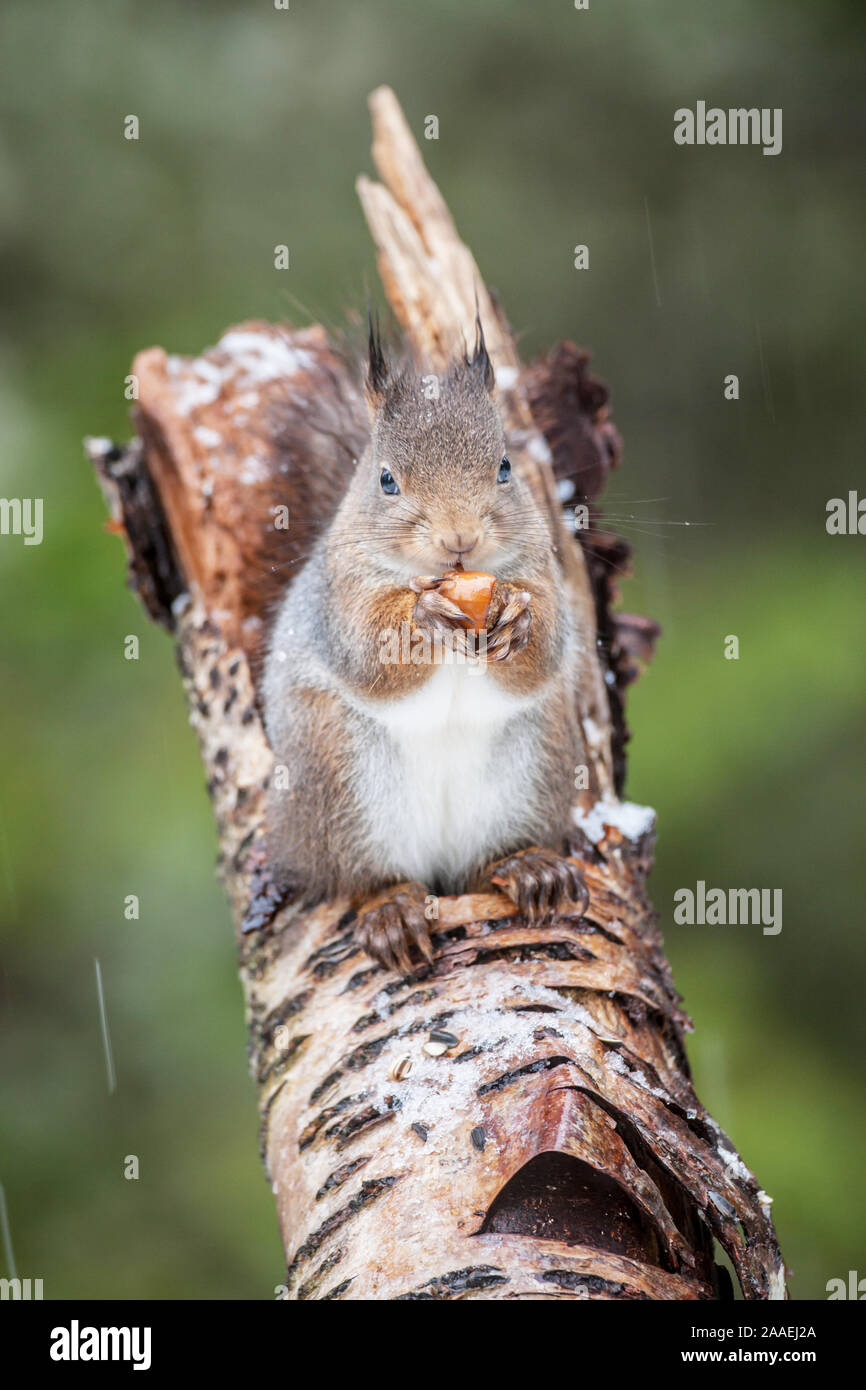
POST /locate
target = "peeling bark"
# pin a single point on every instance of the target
(518, 1120)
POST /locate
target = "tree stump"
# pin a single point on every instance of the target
(518, 1120)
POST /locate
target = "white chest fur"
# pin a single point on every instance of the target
(451, 774)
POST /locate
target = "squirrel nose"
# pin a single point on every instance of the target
(458, 544)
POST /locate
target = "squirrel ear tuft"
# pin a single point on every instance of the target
(378, 370)
(480, 362)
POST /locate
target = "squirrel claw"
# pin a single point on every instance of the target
(434, 611)
(539, 882)
(396, 929)
(510, 633)
(424, 583)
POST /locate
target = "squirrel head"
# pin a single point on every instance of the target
(438, 488)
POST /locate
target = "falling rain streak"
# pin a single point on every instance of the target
(765, 376)
(106, 1037)
(649, 232)
(8, 1252)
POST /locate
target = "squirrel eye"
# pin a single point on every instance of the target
(388, 484)
(504, 472)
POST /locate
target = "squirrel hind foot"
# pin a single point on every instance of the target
(541, 883)
(394, 930)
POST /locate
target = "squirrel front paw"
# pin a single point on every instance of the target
(395, 929)
(436, 613)
(540, 883)
(510, 621)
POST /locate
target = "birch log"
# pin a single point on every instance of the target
(518, 1120)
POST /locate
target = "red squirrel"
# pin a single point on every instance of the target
(405, 769)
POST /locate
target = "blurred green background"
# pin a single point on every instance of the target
(556, 128)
